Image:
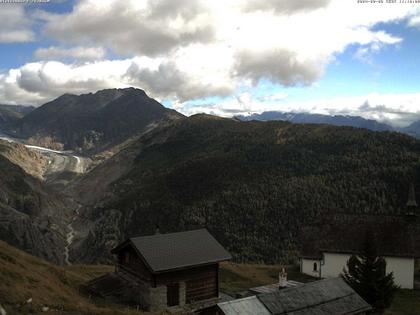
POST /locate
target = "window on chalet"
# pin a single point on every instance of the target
(315, 267)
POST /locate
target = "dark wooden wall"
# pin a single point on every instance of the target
(201, 282)
(135, 264)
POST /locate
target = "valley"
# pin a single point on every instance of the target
(58, 171)
(194, 157)
(262, 188)
(266, 190)
(60, 168)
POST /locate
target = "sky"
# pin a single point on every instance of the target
(233, 57)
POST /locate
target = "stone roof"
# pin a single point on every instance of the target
(246, 306)
(164, 252)
(331, 296)
(324, 297)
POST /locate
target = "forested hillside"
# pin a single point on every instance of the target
(255, 185)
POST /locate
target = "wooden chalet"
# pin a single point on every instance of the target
(176, 270)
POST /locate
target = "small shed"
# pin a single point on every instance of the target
(172, 270)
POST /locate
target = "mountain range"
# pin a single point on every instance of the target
(259, 186)
(92, 122)
(336, 120)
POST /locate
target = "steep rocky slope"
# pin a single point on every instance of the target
(92, 122)
(32, 216)
(255, 185)
(32, 162)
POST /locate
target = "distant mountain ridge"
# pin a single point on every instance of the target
(92, 122)
(413, 129)
(307, 118)
(10, 114)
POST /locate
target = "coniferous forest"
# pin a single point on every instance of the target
(257, 186)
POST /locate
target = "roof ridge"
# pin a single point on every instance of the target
(167, 234)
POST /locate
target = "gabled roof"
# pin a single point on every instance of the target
(331, 296)
(395, 236)
(246, 306)
(164, 252)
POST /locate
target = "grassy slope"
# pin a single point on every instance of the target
(23, 276)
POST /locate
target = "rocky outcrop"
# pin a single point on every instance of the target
(92, 123)
(32, 162)
(104, 236)
(40, 237)
(32, 216)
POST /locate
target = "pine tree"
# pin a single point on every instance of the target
(366, 274)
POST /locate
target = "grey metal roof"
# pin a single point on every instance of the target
(163, 252)
(246, 306)
(330, 296)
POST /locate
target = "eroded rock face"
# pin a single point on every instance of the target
(46, 142)
(32, 215)
(104, 236)
(32, 162)
(41, 239)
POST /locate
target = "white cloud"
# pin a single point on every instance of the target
(285, 6)
(79, 53)
(190, 49)
(395, 109)
(15, 25)
(286, 41)
(134, 26)
(414, 21)
(39, 82)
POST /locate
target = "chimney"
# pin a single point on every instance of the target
(282, 278)
(157, 231)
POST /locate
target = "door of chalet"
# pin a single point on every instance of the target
(172, 294)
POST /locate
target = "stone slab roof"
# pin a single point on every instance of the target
(331, 296)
